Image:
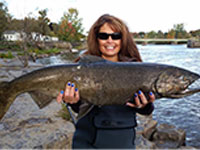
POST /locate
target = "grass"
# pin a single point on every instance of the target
(40, 52)
(47, 51)
(64, 113)
(7, 55)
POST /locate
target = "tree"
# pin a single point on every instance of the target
(54, 29)
(180, 32)
(195, 33)
(160, 34)
(71, 27)
(151, 34)
(43, 22)
(4, 18)
(141, 34)
(171, 34)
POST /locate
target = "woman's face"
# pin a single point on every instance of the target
(109, 47)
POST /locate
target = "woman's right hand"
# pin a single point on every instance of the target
(69, 95)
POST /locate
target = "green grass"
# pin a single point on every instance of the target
(64, 113)
(47, 51)
(40, 52)
(7, 55)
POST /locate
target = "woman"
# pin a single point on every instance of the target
(108, 126)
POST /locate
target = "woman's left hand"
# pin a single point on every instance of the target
(141, 100)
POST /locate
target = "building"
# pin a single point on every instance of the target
(19, 36)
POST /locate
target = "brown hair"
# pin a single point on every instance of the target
(128, 52)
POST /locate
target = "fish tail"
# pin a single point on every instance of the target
(5, 98)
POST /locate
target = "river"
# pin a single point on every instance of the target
(184, 113)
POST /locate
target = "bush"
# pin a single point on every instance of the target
(7, 55)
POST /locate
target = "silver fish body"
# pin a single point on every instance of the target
(100, 82)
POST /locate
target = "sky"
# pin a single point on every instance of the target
(139, 15)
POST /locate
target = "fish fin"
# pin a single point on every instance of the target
(84, 109)
(91, 58)
(6, 98)
(41, 98)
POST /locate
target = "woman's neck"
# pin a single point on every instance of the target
(113, 59)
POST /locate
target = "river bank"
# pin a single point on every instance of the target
(27, 126)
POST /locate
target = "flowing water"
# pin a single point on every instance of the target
(184, 113)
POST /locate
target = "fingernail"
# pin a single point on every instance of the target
(135, 95)
(72, 85)
(150, 93)
(76, 89)
(68, 83)
(139, 92)
(62, 92)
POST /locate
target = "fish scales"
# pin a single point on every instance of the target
(100, 82)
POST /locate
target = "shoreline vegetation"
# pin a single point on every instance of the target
(12, 49)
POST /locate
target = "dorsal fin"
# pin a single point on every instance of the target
(91, 59)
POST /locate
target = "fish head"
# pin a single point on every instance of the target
(175, 83)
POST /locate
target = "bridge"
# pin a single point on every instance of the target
(160, 41)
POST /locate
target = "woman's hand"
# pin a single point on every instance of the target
(141, 100)
(69, 95)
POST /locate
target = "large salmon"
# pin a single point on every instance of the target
(100, 82)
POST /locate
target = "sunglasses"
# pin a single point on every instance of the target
(105, 36)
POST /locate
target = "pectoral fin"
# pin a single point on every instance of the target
(41, 98)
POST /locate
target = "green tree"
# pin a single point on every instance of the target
(180, 32)
(16, 25)
(160, 34)
(71, 29)
(152, 35)
(43, 22)
(141, 34)
(195, 33)
(54, 29)
(4, 18)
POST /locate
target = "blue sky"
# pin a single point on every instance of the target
(139, 15)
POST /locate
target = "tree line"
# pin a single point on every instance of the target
(177, 32)
(70, 27)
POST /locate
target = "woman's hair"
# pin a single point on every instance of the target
(128, 51)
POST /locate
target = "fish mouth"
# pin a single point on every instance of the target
(186, 92)
(189, 90)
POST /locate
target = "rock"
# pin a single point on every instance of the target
(54, 44)
(25, 126)
(193, 43)
(143, 143)
(146, 126)
(168, 136)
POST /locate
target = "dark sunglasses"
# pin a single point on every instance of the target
(105, 36)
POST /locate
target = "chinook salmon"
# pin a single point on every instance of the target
(100, 82)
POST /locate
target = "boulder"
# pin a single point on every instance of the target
(146, 126)
(143, 143)
(25, 126)
(168, 136)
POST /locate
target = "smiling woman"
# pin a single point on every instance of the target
(109, 43)
(109, 126)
